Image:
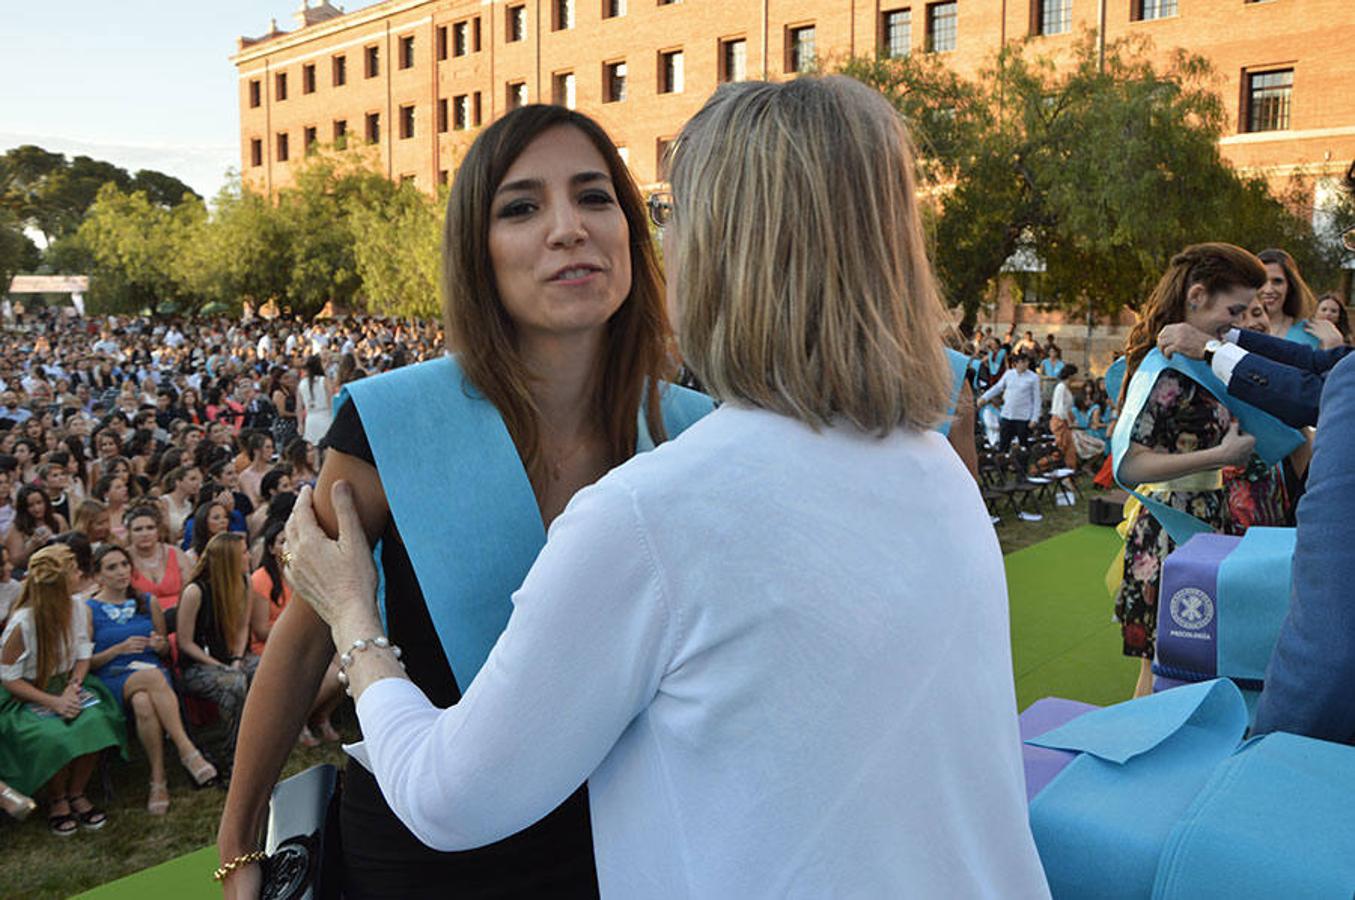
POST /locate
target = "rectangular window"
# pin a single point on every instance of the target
(442, 115)
(283, 149)
(613, 82)
(255, 93)
(407, 121)
(896, 33)
(338, 67)
(516, 29)
(1154, 9)
(476, 111)
(372, 61)
(407, 179)
(310, 137)
(340, 131)
(280, 86)
(734, 60)
(255, 152)
(562, 89)
(1268, 97)
(442, 177)
(661, 157)
(460, 43)
(612, 9)
(517, 94)
(374, 128)
(407, 52)
(1055, 16)
(670, 72)
(563, 17)
(441, 42)
(308, 78)
(942, 26)
(475, 35)
(800, 49)
(669, 2)
(461, 112)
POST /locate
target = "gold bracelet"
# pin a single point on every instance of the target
(243, 860)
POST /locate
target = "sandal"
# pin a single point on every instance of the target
(91, 818)
(18, 805)
(158, 804)
(62, 824)
(203, 772)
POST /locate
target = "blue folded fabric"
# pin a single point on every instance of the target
(1274, 820)
(1101, 824)
(1254, 584)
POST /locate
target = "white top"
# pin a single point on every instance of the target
(1020, 395)
(1061, 404)
(781, 660)
(26, 666)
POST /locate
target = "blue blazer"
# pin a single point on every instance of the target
(1309, 681)
(1282, 377)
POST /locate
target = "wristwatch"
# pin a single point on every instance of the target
(1210, 347)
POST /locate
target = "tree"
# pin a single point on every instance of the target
(134, 245)
(17, 252)
(398, 250)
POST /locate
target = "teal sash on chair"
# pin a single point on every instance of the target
(1299, 336)
(460, 497)
(959, 366)
(1274, 439)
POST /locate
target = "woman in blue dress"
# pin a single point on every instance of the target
(128, 630)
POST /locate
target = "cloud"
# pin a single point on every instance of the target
(203, 168)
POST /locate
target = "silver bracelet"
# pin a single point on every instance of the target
(346, 658)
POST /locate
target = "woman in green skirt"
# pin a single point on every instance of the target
(54, 716)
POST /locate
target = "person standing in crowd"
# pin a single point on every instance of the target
(1288, 300)
(1020, 391)
(282, 393)
(1061, 420)
(554, 305)
(129, 641)
(691, 687)
(1183, 435)
(1331, 324)
(315, 396)
(55, 718)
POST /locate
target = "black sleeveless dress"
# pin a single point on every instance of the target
(382, 858)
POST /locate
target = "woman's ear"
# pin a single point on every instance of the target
(1196, 296)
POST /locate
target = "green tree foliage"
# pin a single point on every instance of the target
(17, 252)
(398, 249)
(134, 246)
(1102, 167)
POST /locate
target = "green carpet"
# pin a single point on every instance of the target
(1064, 642)
(182, 879)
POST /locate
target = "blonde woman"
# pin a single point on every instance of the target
(744, 626)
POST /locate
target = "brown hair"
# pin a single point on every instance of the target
(635, 354)
(1216, 266)
(1299, 302)
(225, 575)
(45, 591)
(805, 284)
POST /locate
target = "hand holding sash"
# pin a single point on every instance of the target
(1182, 338)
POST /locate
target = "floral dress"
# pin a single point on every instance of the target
(1179, 417)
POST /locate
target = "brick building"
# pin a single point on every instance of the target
(416, 78)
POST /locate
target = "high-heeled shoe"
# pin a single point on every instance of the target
(203, 772)
(19, 806)
(158, 803)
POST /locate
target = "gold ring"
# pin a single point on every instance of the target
(286, 557)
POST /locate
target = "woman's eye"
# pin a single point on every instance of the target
(597, 198)
(516, 209)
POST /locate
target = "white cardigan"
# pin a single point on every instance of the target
(779, 657)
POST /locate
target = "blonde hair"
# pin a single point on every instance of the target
(225, 576)
(45, 590)
(804, 285)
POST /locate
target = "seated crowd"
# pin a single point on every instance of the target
(146, 472)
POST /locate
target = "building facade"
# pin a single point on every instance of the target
(415, 79)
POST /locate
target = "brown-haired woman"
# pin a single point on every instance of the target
(54, 717)
(1331, 324)
(565, 357)
(216, 617)
(1183, 436)
(35, 523)
(1288, 299)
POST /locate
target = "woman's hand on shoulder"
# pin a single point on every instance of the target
(336, 576)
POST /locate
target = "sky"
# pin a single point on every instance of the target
(143, 84)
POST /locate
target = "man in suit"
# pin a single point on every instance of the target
(1284, 378)
(1310, 684)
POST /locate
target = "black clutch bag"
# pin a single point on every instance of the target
(304, 861)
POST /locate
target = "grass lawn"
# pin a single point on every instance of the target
(1063, 643)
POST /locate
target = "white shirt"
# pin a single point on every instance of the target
(1020, 395)
(26, 666)
(781, 660)
(1061, 404)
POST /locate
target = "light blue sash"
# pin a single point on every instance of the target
(460, 497)
(1114, 379)
(1299, 336)
(959, 365)
(995, 363)
(1274, 439)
